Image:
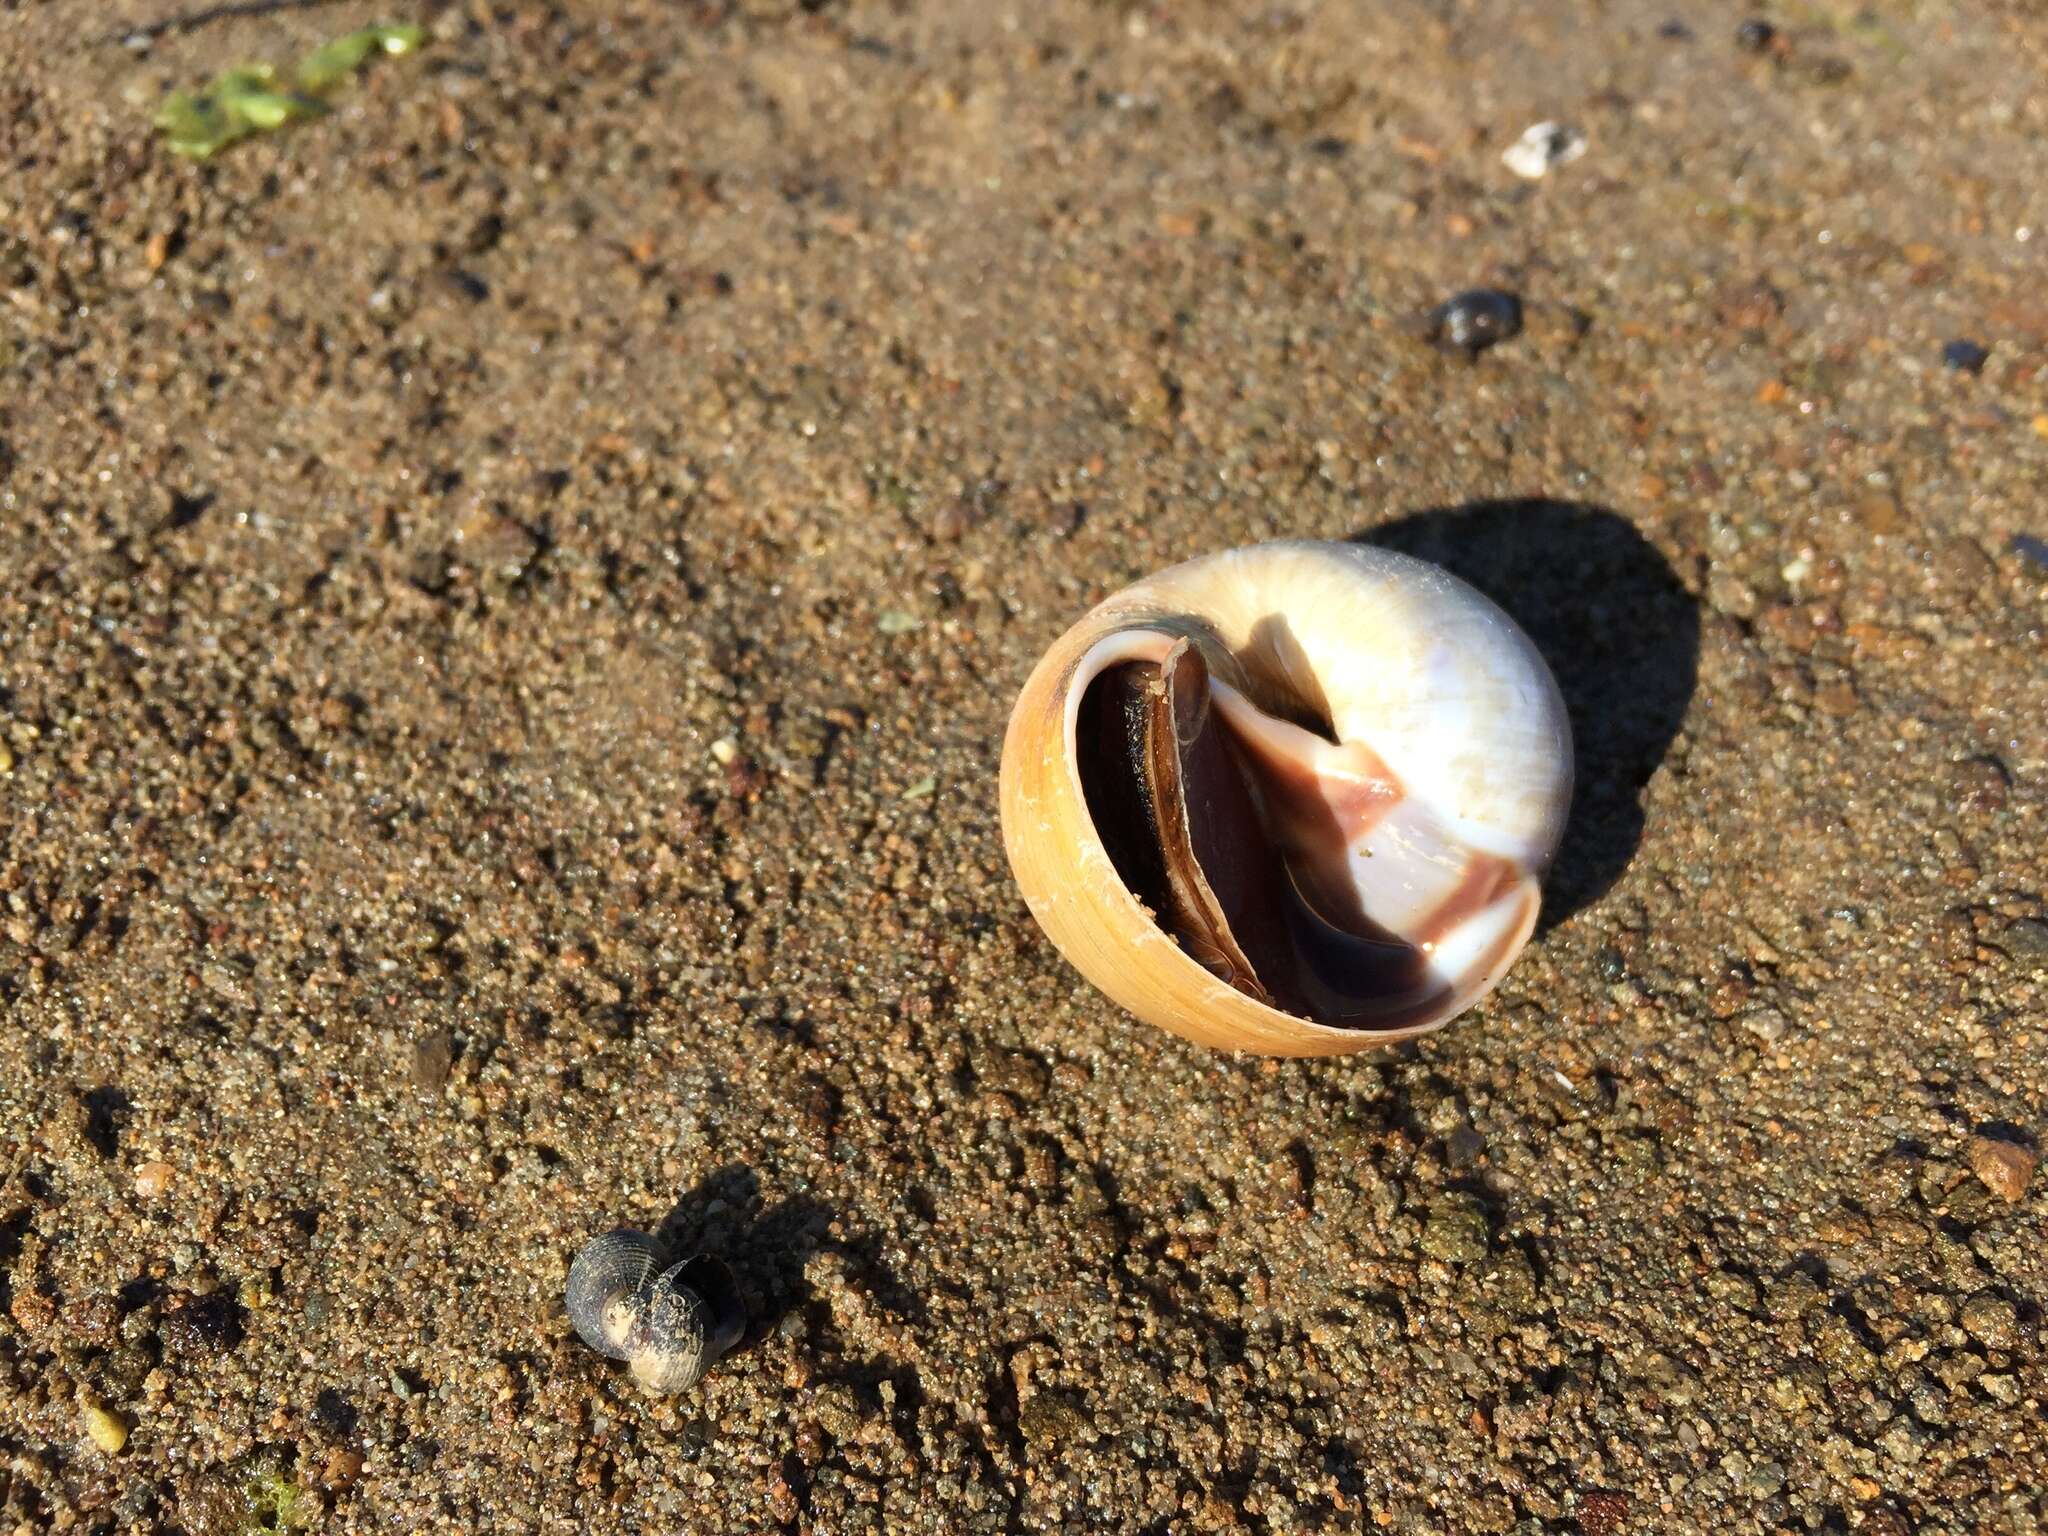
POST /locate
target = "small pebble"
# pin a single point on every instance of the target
(198, 1326)
(2026, 940)
(1964, 356)
(1456, 1230)
(1992, 1321)
(2027, 547)
(1879, 512)
(1475, 320)
(433, 1058)
(2003, 1167)
(342, 1468)
(107, 1429)
(152, 1179)
(1764, 1479)
(1766, 1023)
(1755, 35)
(951, 521)
(1603, 1512)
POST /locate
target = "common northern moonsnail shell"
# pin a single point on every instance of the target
(1293, 799)
(668, 1322)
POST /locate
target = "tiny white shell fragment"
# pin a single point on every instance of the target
(1542, 148)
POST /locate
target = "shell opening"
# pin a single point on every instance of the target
(1248, 832)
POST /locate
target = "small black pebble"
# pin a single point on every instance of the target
(2027, 547)
(1965, 356)
(466, 285)
(1755, 35)
(1475, 320)
(196, 1326)
(1676, 31)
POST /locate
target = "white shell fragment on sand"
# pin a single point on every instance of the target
(1542, 148)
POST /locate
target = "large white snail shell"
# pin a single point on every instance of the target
(1435, 808)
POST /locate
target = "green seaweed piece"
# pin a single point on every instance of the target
(331, 63)
(277, 1501)
(252, 99)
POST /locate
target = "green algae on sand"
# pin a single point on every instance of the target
(257, 98)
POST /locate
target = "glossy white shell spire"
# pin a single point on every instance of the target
(1432, 812)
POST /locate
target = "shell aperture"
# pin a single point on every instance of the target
(1231, 827)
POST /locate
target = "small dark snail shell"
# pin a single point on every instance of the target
(668, 1322)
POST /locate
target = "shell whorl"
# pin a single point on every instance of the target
(605, 1281)
(1456, 700)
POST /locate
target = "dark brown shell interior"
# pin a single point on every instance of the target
(1189, 817)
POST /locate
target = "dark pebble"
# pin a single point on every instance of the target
(194, 1326)
(466, 285)
(433, 1057)
(1755, 35)
(2026, 938)
(1603, 1512)
(1964, 356)
(1475, 320)
(2027, 547)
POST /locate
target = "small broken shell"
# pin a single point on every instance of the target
(1293, 799)
(669, 1323)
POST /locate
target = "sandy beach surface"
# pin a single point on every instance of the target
(509, 596)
